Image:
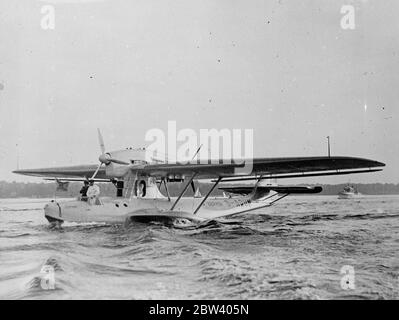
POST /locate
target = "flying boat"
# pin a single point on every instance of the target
(138, 181)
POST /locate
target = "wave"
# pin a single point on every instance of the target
(19, 210)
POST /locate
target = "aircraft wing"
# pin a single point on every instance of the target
(267, 167)
(289, 167)
(82, 171)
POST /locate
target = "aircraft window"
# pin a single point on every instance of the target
(142, 188)
(116, 205)
(125, 204)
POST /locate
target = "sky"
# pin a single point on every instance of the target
(286, 69)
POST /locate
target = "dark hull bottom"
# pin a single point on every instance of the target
(53, 220)
(168, 221)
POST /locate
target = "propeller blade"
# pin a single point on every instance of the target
(101, 141)
(106, 159)
(95, 173)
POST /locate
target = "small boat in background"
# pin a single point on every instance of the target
(349, 192)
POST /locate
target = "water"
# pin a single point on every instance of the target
(294, 250)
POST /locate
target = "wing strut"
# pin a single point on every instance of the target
(184, 190)
(207, 195)
(166, 188)
(281, 197)
(256, 186)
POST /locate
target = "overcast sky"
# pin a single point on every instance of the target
(285, 69)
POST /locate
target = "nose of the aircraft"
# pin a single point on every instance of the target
(52, 212)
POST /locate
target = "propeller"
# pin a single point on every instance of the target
(105, 158)
(101, 141)
(95, 172)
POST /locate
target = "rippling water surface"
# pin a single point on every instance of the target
(294, 250)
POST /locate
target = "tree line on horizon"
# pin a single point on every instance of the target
(48, 189)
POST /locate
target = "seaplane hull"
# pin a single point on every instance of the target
(117, 211)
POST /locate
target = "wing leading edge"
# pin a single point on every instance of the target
(81, 171)
(299, 166)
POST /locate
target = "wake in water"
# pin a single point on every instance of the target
(294, 251)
